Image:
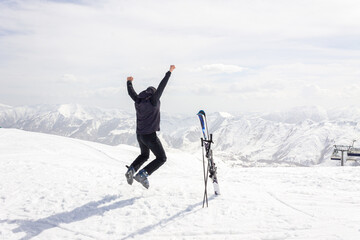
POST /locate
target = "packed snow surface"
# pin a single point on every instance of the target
(53, 187)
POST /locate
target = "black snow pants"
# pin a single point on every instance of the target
(149, 142)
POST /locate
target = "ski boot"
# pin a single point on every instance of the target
(141, 177)
(130, 174)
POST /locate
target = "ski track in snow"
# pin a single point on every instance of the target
(59, 188)
(98, 150)
(288, 205)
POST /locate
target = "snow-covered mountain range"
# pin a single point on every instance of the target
(302, 136)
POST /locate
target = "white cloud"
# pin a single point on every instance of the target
(69, 78)
(314, 91)
(102, 92)
(219, 68)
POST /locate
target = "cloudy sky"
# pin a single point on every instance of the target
(235, 56)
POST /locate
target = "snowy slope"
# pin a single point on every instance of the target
(53, 187)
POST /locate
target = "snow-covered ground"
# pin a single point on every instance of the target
(54, 187)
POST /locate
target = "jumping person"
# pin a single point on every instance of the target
(147, 105)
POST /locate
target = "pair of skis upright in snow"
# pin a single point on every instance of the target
(210, 170)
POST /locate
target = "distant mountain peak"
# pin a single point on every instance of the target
(225, 114)
(73, 110)
(5, 106)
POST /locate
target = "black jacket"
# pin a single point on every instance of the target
(147, 105)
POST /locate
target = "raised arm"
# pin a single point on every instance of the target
(131, 90)
(162, 85)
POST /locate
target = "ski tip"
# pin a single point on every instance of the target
(201, 112)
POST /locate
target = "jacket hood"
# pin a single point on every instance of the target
(147, 93)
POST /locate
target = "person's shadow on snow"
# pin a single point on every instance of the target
(188, 210)
(33, 228)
